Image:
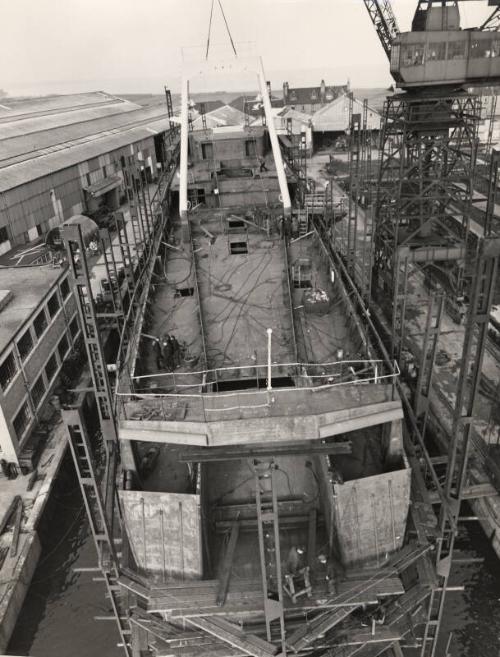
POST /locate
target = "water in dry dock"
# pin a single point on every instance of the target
(57, 619)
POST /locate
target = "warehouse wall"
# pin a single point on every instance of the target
(33, 208)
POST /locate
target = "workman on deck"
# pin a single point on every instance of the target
(168, 353)
(176, 351)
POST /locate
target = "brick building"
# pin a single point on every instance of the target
(38, 326)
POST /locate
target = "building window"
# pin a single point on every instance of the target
(63, 347)
(436, 51)
(207, 151)
(87, 176)
(104, 174)
(250, 150)
(53, 305)
(51, 368)
(8, 371)
(413, 55)
(38, 391)
(22, 420)
(456, 49)
(25, 344)
(65, 289)
(73, 327)
(4, 234)
(40, 323)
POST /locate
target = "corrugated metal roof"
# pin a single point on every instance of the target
(79, 151)
(335, 116)
(375, 97)
(23, 126)
(48, 104)
(222, 116)
(25, 147)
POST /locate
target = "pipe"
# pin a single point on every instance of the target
(269, 381)
(278, 160)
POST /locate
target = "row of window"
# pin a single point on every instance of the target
(419, 53)
(27, 341)
(44, 380)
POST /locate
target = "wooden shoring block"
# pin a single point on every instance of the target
(227, 564)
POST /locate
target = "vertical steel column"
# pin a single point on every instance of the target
(482, 287)
(428, 359)
(355, 150)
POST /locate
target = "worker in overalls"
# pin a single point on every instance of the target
(168, 353)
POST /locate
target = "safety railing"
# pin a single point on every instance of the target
(194, 395)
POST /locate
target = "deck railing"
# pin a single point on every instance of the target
(191, 395)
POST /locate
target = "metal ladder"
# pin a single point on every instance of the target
(87, 473)
(355, 156)
(266, 500)
(303, 221)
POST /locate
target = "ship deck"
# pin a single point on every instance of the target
(219, 294)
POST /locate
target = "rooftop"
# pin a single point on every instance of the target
(46, 105)
(29, 288)
(312, 95)
(40, 136)
(76, 151)
(224, 115)
(30, 144)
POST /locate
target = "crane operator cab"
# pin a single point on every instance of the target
(438, 52)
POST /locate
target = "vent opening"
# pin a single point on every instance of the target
(238, 247)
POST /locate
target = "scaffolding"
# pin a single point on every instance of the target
(96, 457)
(422, 213)
(422, 223)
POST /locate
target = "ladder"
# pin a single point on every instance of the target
(303, 221)
(399, 305)
(266, 500)
(355, 156)
(87, 473)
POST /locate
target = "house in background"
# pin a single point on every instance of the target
(310, 99)
(331, 123)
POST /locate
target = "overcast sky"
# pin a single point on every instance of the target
(60, 46)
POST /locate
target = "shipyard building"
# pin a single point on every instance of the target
(60, 156)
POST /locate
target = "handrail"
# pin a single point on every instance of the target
(297, 364)
(376, 378)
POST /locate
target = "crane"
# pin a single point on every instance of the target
(385, 23)
(436, 51)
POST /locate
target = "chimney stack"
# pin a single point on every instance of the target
(322, 91)
(285, 93)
